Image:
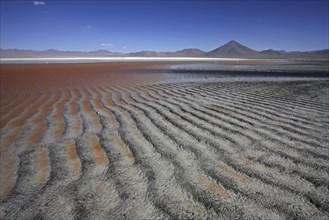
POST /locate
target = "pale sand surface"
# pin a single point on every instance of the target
(114, 141)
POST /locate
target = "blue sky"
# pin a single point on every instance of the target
(128, 26)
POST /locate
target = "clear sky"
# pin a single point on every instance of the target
(128, 26)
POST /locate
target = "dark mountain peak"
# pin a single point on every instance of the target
(232, 42)
(232, 49)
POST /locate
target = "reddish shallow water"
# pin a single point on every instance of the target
(27, 78)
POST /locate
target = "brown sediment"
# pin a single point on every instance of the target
(42, 165)
(102, 187)
(141, 91)
(197, 210)
(283, 149)
(105, 91)
(59, 129)
(246, 161)
(73, 104)
(10, 138)
(85, 105)
(11, 104)
(127, 97)
(38, 122)
(97, 150)
(97, 104)
(217, 108)
(213, 186)
(114, 104)
(26, 113)
(14, 110)
(109, 116)
(109, 103)
(86, 108)
(9, 166)
(34, 136)
(119, 143)
(94, 120)
(76, 128)
(72, 110)
(58, 116)
(74, 161)
(137, 136)
(232, 173)
(117, 99)
(4, 121)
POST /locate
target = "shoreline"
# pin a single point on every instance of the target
(126, 59)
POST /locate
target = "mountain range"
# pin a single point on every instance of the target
(232, 49)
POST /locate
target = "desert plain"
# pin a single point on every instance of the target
(165, 140)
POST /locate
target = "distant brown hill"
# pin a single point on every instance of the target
(191, 52)
(232, 49)
(146, 54)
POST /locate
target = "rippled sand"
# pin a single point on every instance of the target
(95, 141)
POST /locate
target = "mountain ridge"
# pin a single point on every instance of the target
(232, 49)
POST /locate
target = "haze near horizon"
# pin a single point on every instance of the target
(130, 26)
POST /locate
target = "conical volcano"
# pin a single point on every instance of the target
(232, 49)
